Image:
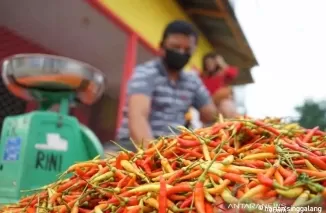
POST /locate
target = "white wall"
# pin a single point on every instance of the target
(240, 97)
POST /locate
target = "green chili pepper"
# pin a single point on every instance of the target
(316, 187)
(301, 199)
(291, 193)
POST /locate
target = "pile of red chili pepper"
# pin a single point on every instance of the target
(232, 161)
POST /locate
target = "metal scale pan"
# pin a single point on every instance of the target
(24, 73)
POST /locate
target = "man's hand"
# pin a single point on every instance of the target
(208, 113)
(223, 93)
(139, 107)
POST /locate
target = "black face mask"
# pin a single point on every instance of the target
(174, 60)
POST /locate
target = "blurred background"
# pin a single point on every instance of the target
(278, 46)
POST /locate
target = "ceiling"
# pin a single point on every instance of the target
(217, 21)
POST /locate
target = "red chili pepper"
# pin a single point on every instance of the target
(191, 175)
(187, 156)
(239, 194)
(139, 162)
(284, 172)
(121, 156)
(146, 167)
(300, 143)
(191, 152)
(319, 153)
(298, 148)
(254, 163)
(256, 146)
(251, 165)
(252, 184)
(214, 143)
(187, 202)
(188, 143)
(163, 202)
(123, 182)
(323, 158)
(175, 176)
(214, 177)
(132, 201)
(122, 210)
(174, 165)
(268, 148)
(216, 128)
(268, 128)
(299, 162)
(148, 159)
(155, 147)
(79, 172)
(319, 132)
(220, 156)
(271, 193)
(131, 183)
(119, 174)
(236, 178)
(177, 197)
(270, 171)
(209, 208)
(290, 180)
(272, 160)
(312, 173)
(309, 135)
(316, 161)
(183, 187)
(199, 197)
(142, 164)
(265, 180)
(231, 150)
(116, 200)
(66, 185)
(248, 132)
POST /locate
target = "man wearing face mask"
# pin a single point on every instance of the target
(160, 92)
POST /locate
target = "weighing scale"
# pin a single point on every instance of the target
(35, 147)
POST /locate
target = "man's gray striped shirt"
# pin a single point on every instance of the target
(170, 100)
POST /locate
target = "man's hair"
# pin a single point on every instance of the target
(179, 27)
(207, 56)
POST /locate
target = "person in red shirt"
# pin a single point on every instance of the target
(217, 76)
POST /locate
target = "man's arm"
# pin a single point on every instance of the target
(203, 103)
(140, 88)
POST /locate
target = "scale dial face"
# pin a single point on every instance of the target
(24, 74)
